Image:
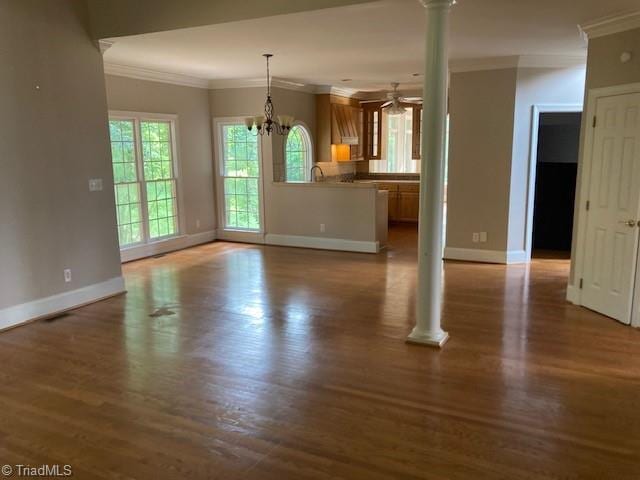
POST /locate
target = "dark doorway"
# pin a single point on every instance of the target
(556, 170)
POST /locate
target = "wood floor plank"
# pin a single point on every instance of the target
(237, 361)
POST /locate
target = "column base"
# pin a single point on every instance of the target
(429, 339)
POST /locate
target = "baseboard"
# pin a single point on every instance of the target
(485, 256)
(573, 294)
(166, 246)
(322, 243)
(517, 256)
(56, 304)
(240, 236)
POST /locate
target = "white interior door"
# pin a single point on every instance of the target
(611, 249)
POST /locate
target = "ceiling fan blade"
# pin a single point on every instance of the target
(386, 104)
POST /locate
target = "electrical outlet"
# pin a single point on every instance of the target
(95, 184)
(67, 275)
(476, 237)
(322, 228)
(198, 223)
(483, 237)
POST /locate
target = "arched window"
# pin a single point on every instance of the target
(297, 156)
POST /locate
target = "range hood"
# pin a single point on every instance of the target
(344, 125)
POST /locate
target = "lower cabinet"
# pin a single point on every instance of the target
(408, 206)
(404, 201)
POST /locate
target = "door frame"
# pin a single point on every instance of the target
(536, 110)
(574, 293)
(223, 233)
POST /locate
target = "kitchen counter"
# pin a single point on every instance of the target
(369, 185)
(415, 182)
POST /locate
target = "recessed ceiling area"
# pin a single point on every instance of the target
(371, 44)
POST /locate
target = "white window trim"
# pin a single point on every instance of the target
(137, 117)
(311, 160)
(223, 232)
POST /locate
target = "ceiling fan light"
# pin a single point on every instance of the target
(395, 110)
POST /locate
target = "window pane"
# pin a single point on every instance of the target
(241, 172)
(126, 186)
(297, 155)
(157, 152)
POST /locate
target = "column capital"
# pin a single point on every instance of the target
(437, 3)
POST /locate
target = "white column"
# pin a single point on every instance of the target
(434, 116)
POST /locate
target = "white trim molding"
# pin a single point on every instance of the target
(60, 303)
(322, 243)
(141, 73)
(517, 61)
(276, 82)
(573, 294)
(241, 236)
(610, 25)
(485, 256)
(165, 246)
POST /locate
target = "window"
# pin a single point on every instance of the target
(297, 155)
(240, 172)
(396, 145)
(142, 153)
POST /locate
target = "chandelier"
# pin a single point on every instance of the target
(266, 123)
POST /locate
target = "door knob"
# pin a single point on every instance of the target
(629, 223)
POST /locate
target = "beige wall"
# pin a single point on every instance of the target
(535, 86)
(115, 18)
(191, 105)
(53, 139)
(481, 132)
(604, 69)
(489, 159)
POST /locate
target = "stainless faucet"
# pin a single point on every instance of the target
(313, 178)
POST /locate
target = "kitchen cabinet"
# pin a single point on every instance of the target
(416, 133)
(408, 202)
(404, 200)
(339, 129)
(372, 130)
(392, 188)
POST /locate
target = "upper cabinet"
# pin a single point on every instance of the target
(416, 133)
(372, 127)
(340, 129)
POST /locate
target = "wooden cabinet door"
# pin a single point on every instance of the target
(393, 207)
(416, 133)
(408, 206)
(372, 131)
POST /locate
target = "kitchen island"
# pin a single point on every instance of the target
(328, 215)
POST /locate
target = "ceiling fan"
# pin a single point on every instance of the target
(394, 105)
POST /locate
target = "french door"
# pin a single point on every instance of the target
(613, 217)
(239, 177)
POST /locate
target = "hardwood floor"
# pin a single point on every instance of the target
(238, 361)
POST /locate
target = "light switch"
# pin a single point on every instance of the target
(483, 237)
(95, 184)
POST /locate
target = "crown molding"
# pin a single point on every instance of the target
(552, 61)
(105, 45)
(339, 91)
(140, 73)
(517, 61)
(276, 82)
(610, 25)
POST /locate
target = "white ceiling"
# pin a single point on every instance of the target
(371, 44)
